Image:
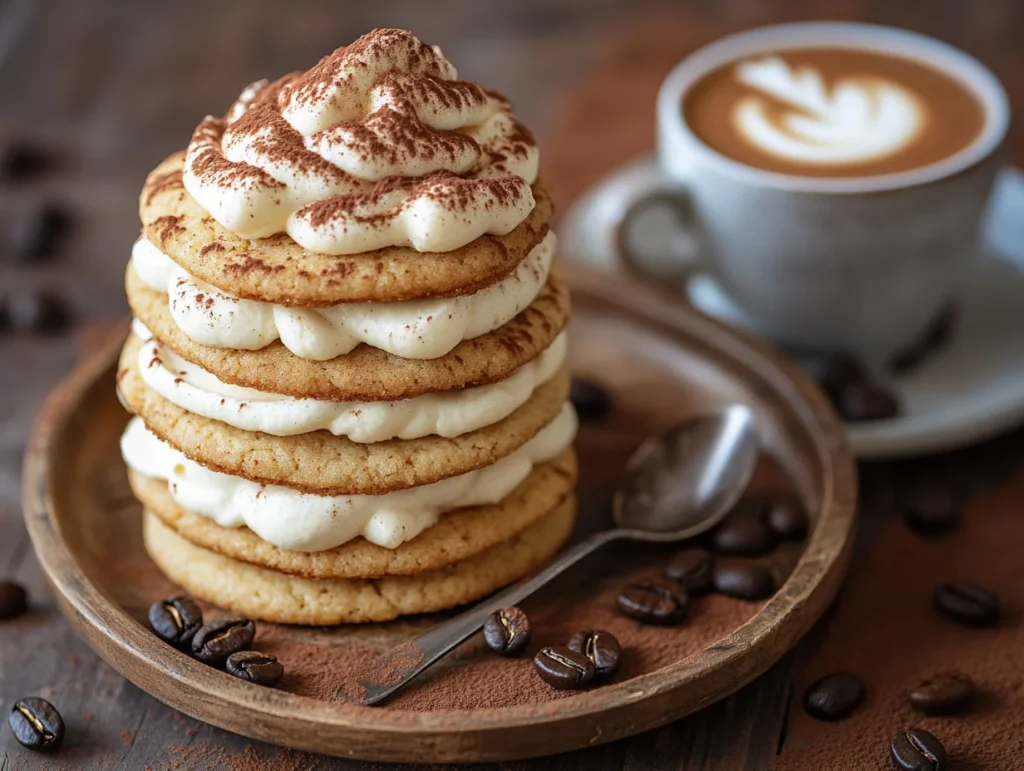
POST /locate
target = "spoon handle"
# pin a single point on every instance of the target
(405, 661)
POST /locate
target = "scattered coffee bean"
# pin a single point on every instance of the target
(834, 372)
(745, 581)
(788, 520)
(917, 750)
(39, 310)
(36, 724)
(507, 631)
(932, 509)
(564, 668)
(655, 601)
(935, 337)
(968, 603)
(592, 402)
(834, 696)
(218, 639)
(601, 648)
(944, 694)
(13, 600)
(38, 231)
(744, 532)
(21, 161)
(693, 568)
(255, 667)
(175, 620)
(863, 402)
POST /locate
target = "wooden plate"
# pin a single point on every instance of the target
(663, 362)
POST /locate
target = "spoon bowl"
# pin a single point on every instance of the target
(682, 482)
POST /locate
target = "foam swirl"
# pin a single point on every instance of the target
(377, 145)
(861, 119)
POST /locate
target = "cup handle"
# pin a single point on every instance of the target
(676, 200)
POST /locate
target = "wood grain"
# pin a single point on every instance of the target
(84, 77)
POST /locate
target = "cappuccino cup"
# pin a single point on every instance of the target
(833, 177)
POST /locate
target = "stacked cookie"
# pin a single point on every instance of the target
(347, 365)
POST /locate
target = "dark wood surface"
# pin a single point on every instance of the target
(118, 85)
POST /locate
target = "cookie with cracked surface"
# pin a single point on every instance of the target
(278, 270)
(267, 595)
(366, 374)
(457, 535)
(321, 463)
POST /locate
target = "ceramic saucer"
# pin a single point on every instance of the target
(969, 390)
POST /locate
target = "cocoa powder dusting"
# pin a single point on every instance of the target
(886, 630)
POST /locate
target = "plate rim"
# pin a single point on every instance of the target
(486, 733)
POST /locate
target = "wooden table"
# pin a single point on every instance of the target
(118, 85)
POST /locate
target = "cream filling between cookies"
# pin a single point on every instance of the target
(447, 414)
(301, 521)
(412, 329)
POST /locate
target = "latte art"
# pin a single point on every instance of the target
(860, 119)
(833, 112)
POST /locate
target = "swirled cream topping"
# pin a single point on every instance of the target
(412, 329)
(447, 414)
(377, 145)
(295, 520)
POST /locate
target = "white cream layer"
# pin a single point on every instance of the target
(414, 329)
(300, 521)
(447, 414)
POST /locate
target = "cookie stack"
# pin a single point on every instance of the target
(348, 361)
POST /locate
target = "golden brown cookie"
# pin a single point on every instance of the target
(285, 599)
(280, 271)
(366, 374)
(457, 536)
(321, 463)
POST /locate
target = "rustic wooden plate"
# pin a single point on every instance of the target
(663, 362)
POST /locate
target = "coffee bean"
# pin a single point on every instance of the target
(968, 603)
(694, 569)
(744, 532)
(218, 639)
(21, 161)
(834, 696)
(564, 668)
(592, 402)
(745, 581)
(38, 310)
(13, 600)
(943, 694)
(834, 372)
(255, 667)
(932, 509)
(175, 620)
(655, 601)
(507, 631)
(36, 724)
(863, 402)
(601, 648)
(917, 750)
(37, 231)
(788, 520)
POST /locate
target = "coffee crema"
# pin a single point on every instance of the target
(833, 112)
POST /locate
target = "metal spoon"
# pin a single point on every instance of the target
(679, 485)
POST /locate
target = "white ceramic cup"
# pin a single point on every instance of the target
(860, 264)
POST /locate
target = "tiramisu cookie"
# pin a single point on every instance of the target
(318, 461)
(458, 535)
(365, 374)
(321, 187)
(278, 597)
(302, 521)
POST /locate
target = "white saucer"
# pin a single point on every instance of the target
(971, 389)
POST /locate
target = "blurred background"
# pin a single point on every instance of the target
(104, 89)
